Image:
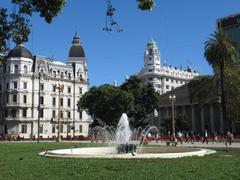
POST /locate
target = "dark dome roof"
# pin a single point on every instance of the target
(76, 49)
(20, 51)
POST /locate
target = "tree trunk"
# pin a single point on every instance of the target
(223, 97)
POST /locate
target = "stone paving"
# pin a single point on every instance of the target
(200, 144)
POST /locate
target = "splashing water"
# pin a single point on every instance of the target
(123, 133)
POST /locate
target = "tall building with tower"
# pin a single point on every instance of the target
(163, 78)
(30, 91)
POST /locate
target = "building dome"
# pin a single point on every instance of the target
(20, 51)
(76, 49)
(151, 42)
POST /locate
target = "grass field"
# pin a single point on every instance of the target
(21, 161)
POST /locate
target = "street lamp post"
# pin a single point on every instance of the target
(60, 88)
(172, 99)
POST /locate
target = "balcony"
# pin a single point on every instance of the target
(19, 119)
(18, 104)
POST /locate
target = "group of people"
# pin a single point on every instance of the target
(190, 137)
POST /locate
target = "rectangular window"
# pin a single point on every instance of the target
(54, 101)
(41, 100)
(24, 128)
(15, 68)
(69, 76)
(8, 98)
(0, 87)
(24, 85)
(42, 87)
(6, 113)
(69, 102)
(53, 114)
(61, 128)
(69, 89)
(24, 99)
(24, 112)
(80, 90)
(41, 128)
(41, 112)
(69, 114)
(80, 128)
(80, 114)
(68, 128)
(167, 86)
(53, 129)
(7, 86)
(15, 85)
(61, 114)
(167, 79)
(14, 98)
(54, 73)
(61, 101)
(14, 113)
(54, 88)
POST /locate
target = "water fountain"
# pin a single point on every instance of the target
(122, 143)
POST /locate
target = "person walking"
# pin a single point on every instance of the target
(205, 137)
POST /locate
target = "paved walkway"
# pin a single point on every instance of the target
(200, 144)
(195, 144)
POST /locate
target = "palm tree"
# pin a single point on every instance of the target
(219, 53)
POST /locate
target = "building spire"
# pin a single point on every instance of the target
(76, 38)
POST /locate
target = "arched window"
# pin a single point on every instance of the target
(25, 69)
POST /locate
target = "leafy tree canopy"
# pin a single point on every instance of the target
(145, 100)
(106, 104)
(204, 88)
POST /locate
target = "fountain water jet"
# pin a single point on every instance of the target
(122, 142)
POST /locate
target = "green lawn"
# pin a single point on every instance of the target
(21, 161)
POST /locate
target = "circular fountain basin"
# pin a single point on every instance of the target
(110, 152)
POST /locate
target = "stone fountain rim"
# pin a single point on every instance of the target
(67, 153)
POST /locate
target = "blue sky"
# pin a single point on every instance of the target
(180, 28)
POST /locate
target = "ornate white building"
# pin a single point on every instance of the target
(20, 74)
(163, 78)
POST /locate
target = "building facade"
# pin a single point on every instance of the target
(29, 89)
(163, 78)
(199, 116)
(231, 26)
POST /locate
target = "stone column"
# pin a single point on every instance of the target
(184, 110)
(202, 119)
(212, 119)
(221, 119)
(193, 118)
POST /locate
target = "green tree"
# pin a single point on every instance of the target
(202, 88)
(232, 87)
(219, 53)
(106, 104)
(182, 123)
(15, 25)
(145, 100)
